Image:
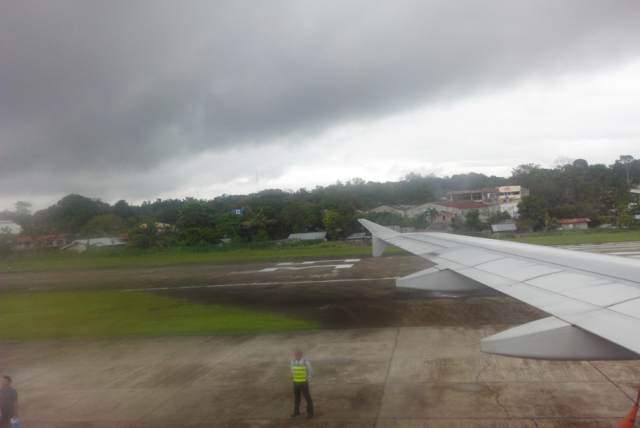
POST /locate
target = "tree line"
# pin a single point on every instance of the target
(576, 189)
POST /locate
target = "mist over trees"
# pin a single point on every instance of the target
(577, 189)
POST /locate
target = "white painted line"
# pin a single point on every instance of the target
(273, 269)
(245, 284)
(343, 266)
(311, 262)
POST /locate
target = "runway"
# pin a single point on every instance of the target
(624, 249)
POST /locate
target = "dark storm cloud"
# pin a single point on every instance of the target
(93, 90)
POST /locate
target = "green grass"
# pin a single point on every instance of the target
(99, 314)
(129, 258)
(579, 237)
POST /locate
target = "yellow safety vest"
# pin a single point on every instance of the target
(299, 373)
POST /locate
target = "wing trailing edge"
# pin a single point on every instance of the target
(438, 279)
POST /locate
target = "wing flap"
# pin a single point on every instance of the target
(437, 279)
(616, 327)
(553, 339)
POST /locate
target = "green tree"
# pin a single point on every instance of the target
(106, 224)
(123, 210)
(334, 223)
(498, 217)
(69, 215)
(7, 241)
(228, 226)
(196, 224)
(254, 226)
(626, 161)
(144, 236)
(472, 221)
(533, 213)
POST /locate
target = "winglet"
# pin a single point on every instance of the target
(377, 230)
(379, 236)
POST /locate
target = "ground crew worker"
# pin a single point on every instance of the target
(301, 372)
(8, 402)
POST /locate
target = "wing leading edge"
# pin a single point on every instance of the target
(594, 299)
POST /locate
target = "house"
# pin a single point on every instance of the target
(490, 195)
(40, 241)
(442, 212)
(487, 201)
(445, 211)
(581, 223)
(82, 245)
(10, 227)
(308, 236)
(506, 198)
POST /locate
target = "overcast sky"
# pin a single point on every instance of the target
(146, 99)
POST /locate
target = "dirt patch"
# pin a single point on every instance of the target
(369, 304)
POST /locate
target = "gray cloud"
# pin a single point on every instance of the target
(106, 92)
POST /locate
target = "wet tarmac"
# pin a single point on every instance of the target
(387, 377)
(386, 358)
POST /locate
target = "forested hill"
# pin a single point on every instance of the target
(576, 189)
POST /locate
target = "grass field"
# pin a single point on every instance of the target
(96, 314)
(579, 237)
(127, 257)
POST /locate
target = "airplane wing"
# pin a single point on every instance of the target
(593, 299)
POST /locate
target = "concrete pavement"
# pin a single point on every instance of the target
(384, 378)
(629, 249)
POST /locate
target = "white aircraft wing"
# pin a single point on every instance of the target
(593, 299)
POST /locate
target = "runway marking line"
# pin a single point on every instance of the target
(311, 262)
(273, 269)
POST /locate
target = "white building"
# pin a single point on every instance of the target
(81, 245)
(309, 236)
(506, 198)
(574, 223)
(505, 226)
(10, 227)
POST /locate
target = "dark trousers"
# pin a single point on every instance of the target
(302, 388)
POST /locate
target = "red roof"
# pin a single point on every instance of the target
(579, 220)
(462, 192)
